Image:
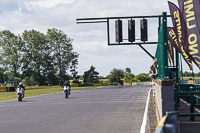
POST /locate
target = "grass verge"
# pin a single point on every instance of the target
(36, 92)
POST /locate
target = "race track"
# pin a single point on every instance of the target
(101, 110)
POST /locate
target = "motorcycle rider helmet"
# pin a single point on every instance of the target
(20, 83)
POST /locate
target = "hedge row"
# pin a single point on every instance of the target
(6, 89)
(10, 89)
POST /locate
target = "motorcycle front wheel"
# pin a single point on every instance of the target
(19, 97)
(66, 94)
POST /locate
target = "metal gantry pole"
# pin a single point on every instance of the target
(108, 31)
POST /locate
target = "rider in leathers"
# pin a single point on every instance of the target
(67, 84)
(21, 86)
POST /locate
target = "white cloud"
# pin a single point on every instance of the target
(48, 3)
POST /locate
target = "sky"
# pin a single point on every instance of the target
(89, 40)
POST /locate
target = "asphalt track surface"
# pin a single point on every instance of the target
(101, 110)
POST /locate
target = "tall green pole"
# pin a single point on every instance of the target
(178, 68)
(165, 46)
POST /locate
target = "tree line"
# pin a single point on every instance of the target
(120, 76)
(190, 74)
(43, 59)
(116, 76)
(34, 57)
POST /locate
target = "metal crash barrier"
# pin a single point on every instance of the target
(190, 93)
(169, 123)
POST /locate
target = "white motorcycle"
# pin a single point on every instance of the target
(20, 93)
(66, 91)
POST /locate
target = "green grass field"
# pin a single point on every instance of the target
(35, 92)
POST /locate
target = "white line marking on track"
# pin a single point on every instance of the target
(144, 122)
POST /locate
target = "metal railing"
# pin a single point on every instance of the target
(190, 93)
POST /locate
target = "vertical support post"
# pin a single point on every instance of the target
(108, 29)
(176, 96)
(159, 20)
(176, 99)
(159, 23)
(178, 74)
(193, 76)
(165, 54)
(192, 106)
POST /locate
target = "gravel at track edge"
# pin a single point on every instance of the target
(151, 119)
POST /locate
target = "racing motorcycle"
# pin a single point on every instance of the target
(66, 91)
(20, 93)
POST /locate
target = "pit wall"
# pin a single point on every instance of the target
(164, 97)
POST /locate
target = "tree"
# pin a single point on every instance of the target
(198, 74)
(62, 54)
(29, 81)
(116, 75)
(73, 70)
(127, 71)
(143, 77)
(42, 58)
(10, 55)
(90, 76)
(187, 74)
(35, 55)
(128, 75)
(3, 75)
